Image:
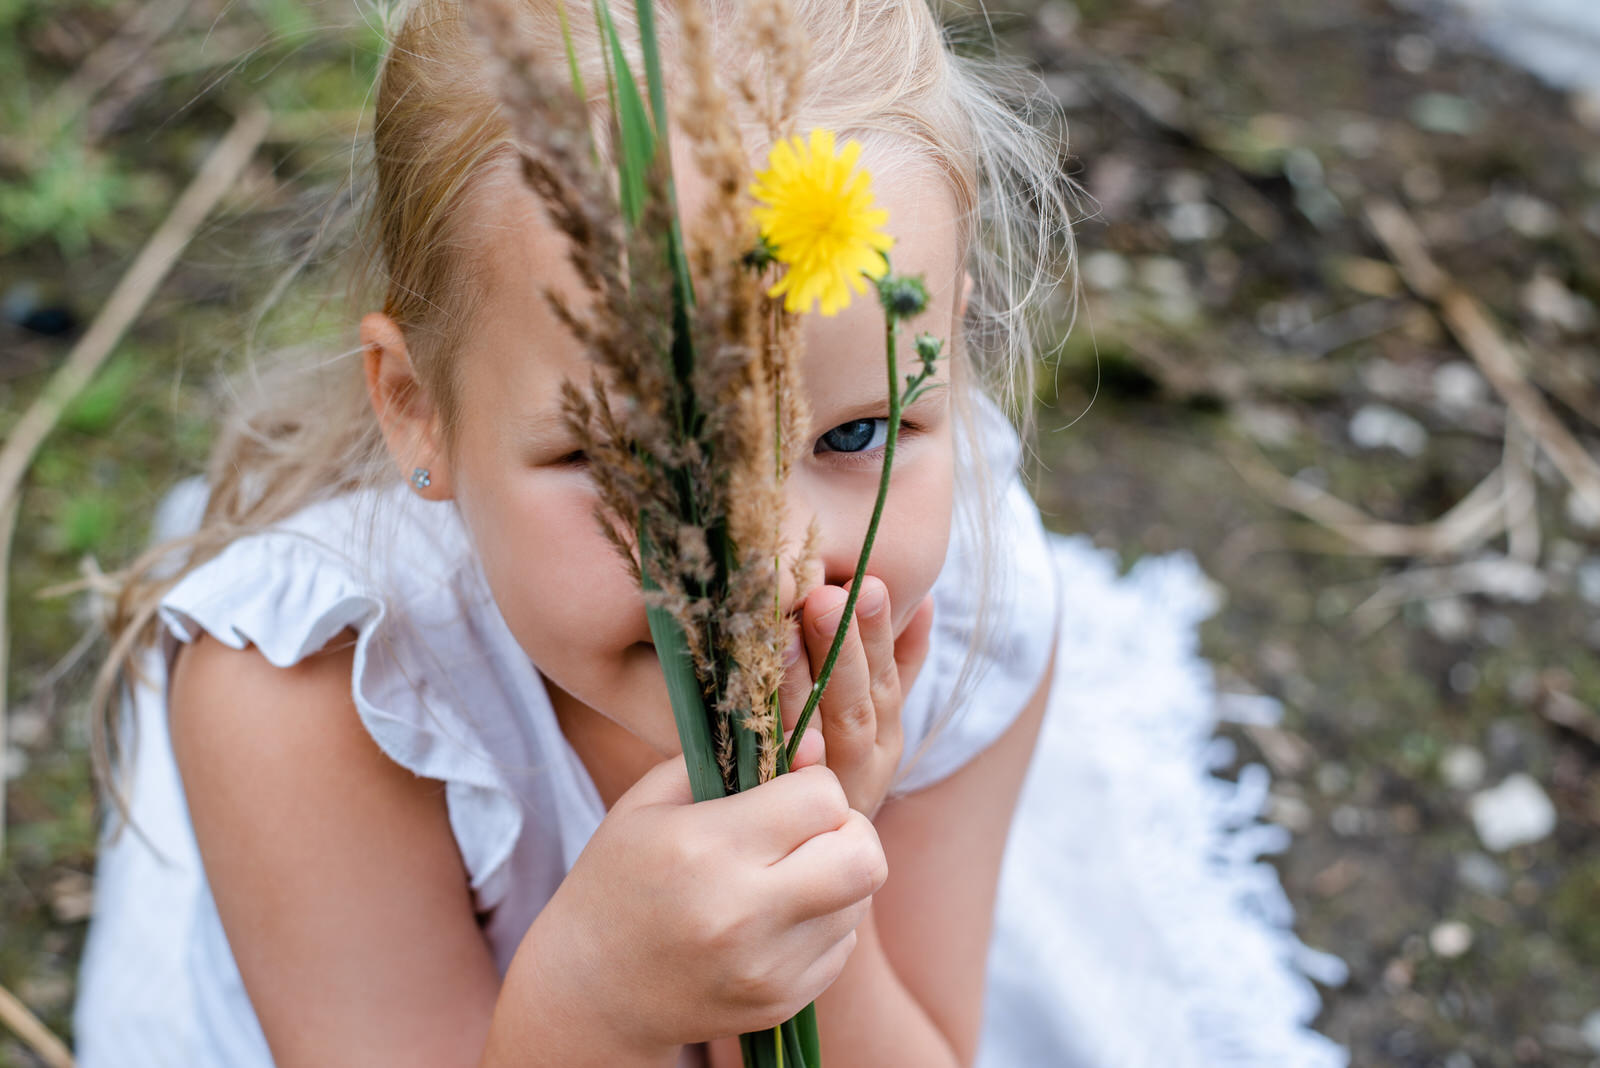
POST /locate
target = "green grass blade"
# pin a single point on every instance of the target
(572, 52)
(645, 12)
(805, 1026)
(636, 141)
(683, 689)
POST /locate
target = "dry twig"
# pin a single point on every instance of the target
(1474, 519)
(35, 1035)
(216, 176)
(1484, 343)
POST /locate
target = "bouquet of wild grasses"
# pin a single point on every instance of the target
(694, 413)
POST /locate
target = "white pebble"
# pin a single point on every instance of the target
(1458, 387)
(1462, 767)
(1589, 580)
(1194, 220)
(1450, 939)
(1105, 270)
(1547, 298)
(1377, 426)
(1591, 1030)
(1449, 618)
(1582, 512)
(1516, 812)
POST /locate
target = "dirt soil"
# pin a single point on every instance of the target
(1238, 317)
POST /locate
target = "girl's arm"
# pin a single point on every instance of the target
(336, 874)
(337, 879)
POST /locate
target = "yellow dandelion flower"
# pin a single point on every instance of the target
(816, 212)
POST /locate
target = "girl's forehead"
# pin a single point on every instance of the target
(521, 266)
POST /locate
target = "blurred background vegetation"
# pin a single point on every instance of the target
(1258, 376)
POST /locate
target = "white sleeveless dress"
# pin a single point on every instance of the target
(1134, 924)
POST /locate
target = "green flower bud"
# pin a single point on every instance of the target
(928, 348)
(902, 296)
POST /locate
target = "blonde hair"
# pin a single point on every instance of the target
(878, 70)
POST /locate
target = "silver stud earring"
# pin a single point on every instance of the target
(421, 479)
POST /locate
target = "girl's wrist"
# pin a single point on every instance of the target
(545, 1015)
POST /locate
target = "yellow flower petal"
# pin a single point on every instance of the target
(815, 208)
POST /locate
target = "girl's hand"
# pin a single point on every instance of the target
(860, 709)
(683, 922)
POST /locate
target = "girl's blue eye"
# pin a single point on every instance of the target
(858, 435)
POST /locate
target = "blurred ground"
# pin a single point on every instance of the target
(1239, 315)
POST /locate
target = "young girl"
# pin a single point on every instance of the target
(406, 788)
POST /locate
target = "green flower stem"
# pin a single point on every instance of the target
(891, 342)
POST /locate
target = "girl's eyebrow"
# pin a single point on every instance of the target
(878, 406)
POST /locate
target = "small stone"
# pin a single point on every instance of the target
(1478, 871)
(1506, 579)
(1290, 813)
(1183, 186)
(1165, 276)
(1458, 387)
(1105, 271)
(1397, 975)
(1458, 1059)
(1057, 23)
(1414, 53)
(1529, 216)
(1524, 685)
(1377, 426)
(1462, 767)
(1270, 426)
(1591, 1030)
(1192, 221)
(1450, 939)
(1517, 812)
(1464, 676)
(1333, 779)
(1422, 184)
(1548, 299)
(1346, 821)
(1446, 113)
(28, 727)
(1582, 512)
(1449, 618)
(1361, 139)
(1588, 577)
(1507, 741)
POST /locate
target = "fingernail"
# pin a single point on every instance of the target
(872, 599)
(828, 621)
(797, 648)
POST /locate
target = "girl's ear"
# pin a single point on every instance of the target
(406, 413)
(966, 293)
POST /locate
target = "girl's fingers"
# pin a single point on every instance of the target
(876, 621)
(834, 870)
(849, 718)
(811, 750)
(782, 814)
(796, 684)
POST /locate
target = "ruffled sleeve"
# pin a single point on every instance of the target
(980, 672)
(289, 592)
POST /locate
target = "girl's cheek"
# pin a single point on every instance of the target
(917, 520)
(563, 588)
